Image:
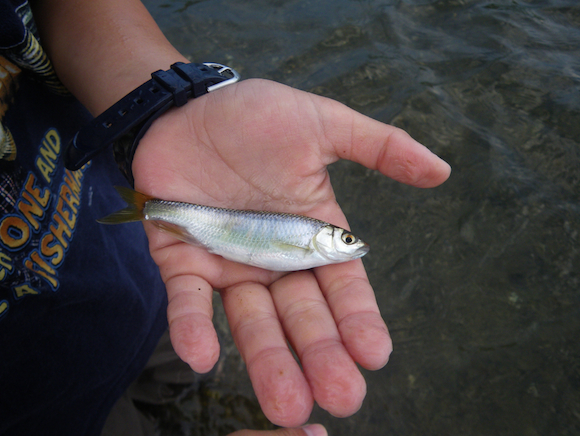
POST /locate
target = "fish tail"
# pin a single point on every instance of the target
(134, 210)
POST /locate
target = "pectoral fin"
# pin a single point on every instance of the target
(296, 250)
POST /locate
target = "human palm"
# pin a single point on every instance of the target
(262, 145)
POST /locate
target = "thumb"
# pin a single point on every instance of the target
(379, 146)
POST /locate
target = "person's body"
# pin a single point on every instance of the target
(252, 145)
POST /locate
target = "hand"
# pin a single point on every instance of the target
(262, 145)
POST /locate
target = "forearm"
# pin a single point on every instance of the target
(102, 49)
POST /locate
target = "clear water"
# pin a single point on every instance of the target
(478, 279)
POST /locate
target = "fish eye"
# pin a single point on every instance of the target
(348, 238)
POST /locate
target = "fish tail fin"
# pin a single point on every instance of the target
(134, 210)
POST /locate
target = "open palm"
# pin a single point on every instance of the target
(262, 145)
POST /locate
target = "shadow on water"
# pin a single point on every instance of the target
(478, 279)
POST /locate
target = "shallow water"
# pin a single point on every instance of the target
(478, 279)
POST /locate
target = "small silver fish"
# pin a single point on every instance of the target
(269, 240)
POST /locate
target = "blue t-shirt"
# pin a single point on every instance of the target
(82, 305)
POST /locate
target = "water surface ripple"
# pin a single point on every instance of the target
(478, 279)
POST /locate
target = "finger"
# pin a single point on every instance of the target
(189, 313)
(353, 304)
(278, 382)
(354, 308)
(379, 146)
(307, 430)
(334, 378)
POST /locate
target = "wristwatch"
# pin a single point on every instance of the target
(125, 123)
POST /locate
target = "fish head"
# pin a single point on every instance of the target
(339, 245)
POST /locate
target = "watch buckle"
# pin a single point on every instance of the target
(230, 74)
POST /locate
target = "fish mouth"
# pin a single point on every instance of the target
(361, 251)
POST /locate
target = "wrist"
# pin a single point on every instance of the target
(114, 83)
(102, 49)
(113, 78)
(125, 122)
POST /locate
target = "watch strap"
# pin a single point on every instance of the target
(125, 123)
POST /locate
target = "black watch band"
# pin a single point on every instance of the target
(125, 123)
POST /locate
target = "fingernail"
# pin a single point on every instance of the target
(314, 430)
